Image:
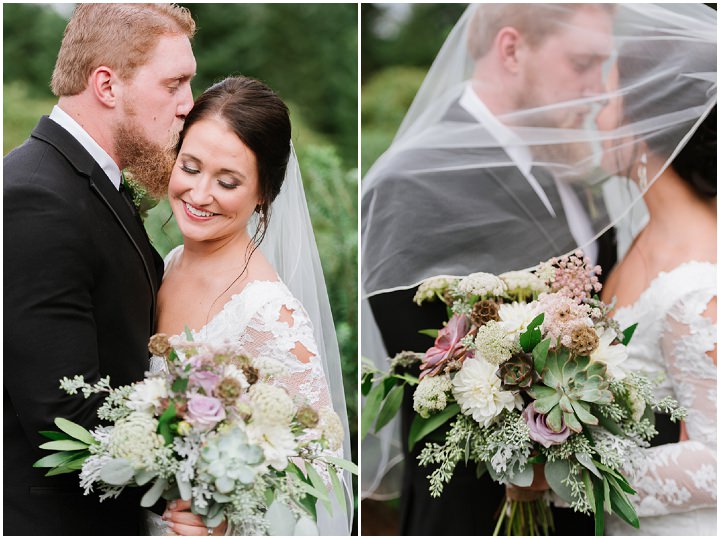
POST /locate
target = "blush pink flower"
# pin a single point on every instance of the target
(447, 346)
(540, 431)
(207, 380)
(204, 412)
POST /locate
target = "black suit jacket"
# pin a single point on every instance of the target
(80, 285)
(521, 234)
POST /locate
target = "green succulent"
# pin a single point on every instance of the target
(569, 385)
(518, 372)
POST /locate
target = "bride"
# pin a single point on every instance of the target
(241, 276)
(667, 284)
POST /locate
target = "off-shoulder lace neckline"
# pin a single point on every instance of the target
(657, 279)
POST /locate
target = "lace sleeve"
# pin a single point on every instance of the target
(679, 477)
(281, 330)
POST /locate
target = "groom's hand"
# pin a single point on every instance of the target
(183, 522)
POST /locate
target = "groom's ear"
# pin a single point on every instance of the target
(103, 85)
(508, 45)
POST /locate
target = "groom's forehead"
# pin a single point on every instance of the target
(172, 58)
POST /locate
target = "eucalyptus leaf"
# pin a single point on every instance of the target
(430, 332)
(371, 408)
(215, 515)
(540, 353)
(342, 463)
(306, 526)
(337, 488)
(74, 430)
(422, 427)
(585, 460)
(390, 406)
(64, 445)
(153, 495)
(54, 435)
(555, 473)
(319, 484)
(280, 519)
(184, 487)
(622, 507)
(523, 478)
(56, 459)
(628, 333)
(367, 381)
(117, 472)
(143, 477)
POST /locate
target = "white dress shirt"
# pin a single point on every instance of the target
(64, 120)
(518, 151)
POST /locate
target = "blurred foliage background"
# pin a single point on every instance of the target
(305, 52)
(399, 44)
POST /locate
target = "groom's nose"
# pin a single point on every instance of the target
(185, 102)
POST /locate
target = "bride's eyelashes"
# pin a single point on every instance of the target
(223, 183)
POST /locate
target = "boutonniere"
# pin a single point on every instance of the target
(142, 201)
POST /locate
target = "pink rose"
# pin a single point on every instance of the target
(204, 412)
(540, 431)
(207, 380)
(447, 345)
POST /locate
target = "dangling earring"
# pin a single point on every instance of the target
(258, 209)
(642, 172)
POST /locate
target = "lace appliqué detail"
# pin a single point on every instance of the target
(673, 340)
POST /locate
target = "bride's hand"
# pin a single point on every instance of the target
(182, 522)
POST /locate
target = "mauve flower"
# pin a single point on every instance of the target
(204, 412)
(447, 345)
(539, 429)
(207, 380)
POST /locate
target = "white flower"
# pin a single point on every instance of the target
(269, 367)
(232, 371)
(481, 284)
(331, 428)
(431, 287)
(637, 404)
(523, 282)
(493, 343)
(515, 317)
(613, 355)
(135, 438)
(276, 441)
(477, 390)
(271, 404)
(146, 395)
(430, 394)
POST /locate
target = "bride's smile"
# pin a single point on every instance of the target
(213, 188)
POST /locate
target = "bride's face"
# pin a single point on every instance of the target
(617, 151)
(214, 186)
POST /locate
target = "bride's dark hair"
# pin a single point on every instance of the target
(696, 163)
(261, 120)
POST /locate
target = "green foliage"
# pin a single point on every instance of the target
(385, 100)
(31, 39)
(305, 52)
(21, 111)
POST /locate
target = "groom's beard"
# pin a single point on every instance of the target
(150, 164)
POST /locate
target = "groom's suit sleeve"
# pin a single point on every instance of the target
(49, 320)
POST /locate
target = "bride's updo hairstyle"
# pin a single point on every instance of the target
(696, 163)
(261, 120)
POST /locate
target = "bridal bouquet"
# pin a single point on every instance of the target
(529, 371)
(212, 429)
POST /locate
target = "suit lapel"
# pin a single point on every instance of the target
(113, 199)
(50, 132)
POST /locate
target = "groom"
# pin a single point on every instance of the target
(491, 223)
(80, 274)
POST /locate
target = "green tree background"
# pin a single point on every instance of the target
(306, 52)
(399, 44)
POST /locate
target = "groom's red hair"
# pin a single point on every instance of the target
(119, 36)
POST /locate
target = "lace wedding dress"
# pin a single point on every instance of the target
(676, 483)
(266, 320)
